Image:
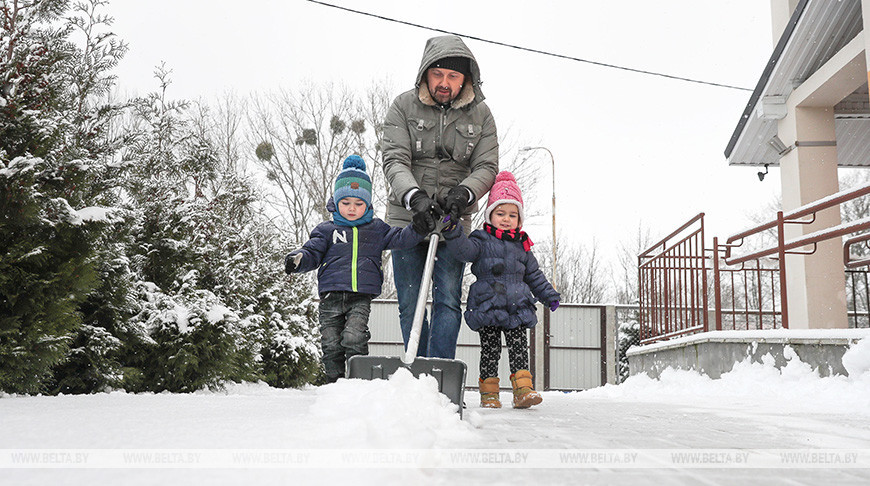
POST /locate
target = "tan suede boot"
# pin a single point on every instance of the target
(489, 393)
(524, 392)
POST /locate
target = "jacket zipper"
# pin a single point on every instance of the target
(443, 150)
(353, 269)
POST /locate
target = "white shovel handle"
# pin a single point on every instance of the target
(422, 297)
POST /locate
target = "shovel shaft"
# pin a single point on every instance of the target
(422, 297)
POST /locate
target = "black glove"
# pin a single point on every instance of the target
(291, 262)
(426, 213)
(456, 201)
(423, 223)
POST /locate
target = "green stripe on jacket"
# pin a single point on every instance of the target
(353, 267)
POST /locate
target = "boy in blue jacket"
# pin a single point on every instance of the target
(347, 255)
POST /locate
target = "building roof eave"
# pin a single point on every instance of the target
(763, 82)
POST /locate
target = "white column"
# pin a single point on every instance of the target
(815, 283)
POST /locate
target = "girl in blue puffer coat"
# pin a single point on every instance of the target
(347, 255)
(501, 299)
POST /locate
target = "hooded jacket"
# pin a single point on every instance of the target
(507, 278)
(434, 148)
(348, 258)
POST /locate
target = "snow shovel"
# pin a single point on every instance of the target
(450, 373)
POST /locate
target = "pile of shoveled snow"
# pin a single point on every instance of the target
(796, 385)
(402, 412)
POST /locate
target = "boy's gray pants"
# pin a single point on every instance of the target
(344, 329)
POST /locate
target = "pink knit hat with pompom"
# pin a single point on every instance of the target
(505, 191)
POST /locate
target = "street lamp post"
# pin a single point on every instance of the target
(553, 165)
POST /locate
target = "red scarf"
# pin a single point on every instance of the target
(510, 235)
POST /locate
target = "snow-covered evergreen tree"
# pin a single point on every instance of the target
(91, 362)
(212, 302)
(135, 254)
(627, 335)
(51, 160)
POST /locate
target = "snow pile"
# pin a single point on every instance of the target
(796, 386)
(402, 412)
(857, 359)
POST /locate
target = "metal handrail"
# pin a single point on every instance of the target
(670, 294)
(646, 254)
(806, 210)
(806, 240)
(784, 246)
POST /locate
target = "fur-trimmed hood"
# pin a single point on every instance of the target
(449, 46)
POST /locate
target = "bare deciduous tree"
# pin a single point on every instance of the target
(303, 137)
(579, 275)
(373, 111)
(625, 276)
(229, 124)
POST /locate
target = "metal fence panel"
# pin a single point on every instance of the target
(575, 356)
(575, 347)
(575, 369)
(576, 326)
(384, 322)
(386, 340)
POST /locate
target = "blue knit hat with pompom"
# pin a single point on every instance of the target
(353, 181)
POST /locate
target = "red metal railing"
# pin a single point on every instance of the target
(673, 284)
(746, 294)
(858, 298)
(783, 246)
(749, 290)
(857, 284)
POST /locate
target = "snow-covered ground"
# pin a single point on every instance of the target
(756, 425)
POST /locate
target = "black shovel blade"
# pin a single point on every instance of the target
(450, 373)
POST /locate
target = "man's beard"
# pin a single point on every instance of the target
(443, 96)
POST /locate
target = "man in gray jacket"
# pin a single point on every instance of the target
(440, 157)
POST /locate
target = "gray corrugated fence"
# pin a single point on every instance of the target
(573, 348)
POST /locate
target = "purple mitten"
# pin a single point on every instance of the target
(554, 305)
(449, 223)
(450, 230)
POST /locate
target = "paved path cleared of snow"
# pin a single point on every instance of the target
(756, 425)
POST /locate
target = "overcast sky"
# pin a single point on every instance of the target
(629, 148)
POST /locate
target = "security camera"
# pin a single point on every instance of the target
(762, 174)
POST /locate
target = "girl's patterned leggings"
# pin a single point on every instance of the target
(490, 350)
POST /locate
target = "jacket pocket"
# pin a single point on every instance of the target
(465, 141)
(422, 134)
